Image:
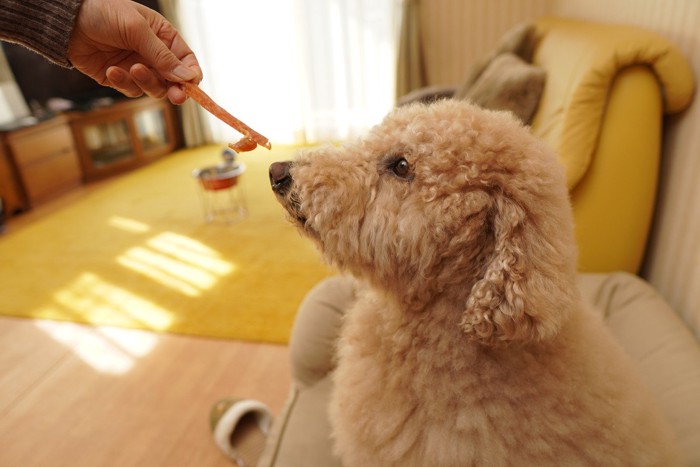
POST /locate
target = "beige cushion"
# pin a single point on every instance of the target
(665, 351)
(301, 434)
(507, 83)
(520, 41)
(317, 327)
(504, 80)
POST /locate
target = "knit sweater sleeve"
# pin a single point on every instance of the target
(44, 26)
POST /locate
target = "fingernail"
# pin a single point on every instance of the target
(184, 73)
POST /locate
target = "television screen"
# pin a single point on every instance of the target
(40, 80)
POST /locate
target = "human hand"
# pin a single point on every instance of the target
(129, 47)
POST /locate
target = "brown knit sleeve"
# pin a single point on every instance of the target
(44, 26)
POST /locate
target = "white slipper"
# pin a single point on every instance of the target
(240, 428)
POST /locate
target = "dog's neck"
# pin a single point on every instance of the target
(402, 333)
(433, 310)
(445, 282)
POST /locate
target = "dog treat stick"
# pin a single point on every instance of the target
(251, 139)
(244, 144)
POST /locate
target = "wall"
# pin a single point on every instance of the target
(458, 32)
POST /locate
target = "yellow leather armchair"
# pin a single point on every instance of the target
(607, 90)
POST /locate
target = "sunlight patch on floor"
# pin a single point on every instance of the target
(96, 300)
(93, 300)
(128, 225)
(177, 262)
(191, 251)
(106, 349)
(171, 260)
(165, 271)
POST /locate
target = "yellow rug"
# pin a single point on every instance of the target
(136, 252)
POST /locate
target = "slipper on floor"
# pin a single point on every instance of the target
(240, 428)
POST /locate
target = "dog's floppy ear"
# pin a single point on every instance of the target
(526, 289)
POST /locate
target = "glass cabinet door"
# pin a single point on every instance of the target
(150, 128)
(124, 135)
(108, 143)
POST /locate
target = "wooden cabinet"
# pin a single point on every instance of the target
(45, 159)
(10, 188)
(124, 136)
(41, 159)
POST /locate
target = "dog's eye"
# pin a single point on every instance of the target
(401, 168)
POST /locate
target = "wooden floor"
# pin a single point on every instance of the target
(83, 396)
(74, 395)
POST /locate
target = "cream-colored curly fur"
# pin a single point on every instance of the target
(470, 345)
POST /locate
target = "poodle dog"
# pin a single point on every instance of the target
(470, 345)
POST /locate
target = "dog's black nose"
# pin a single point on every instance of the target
(280, 178)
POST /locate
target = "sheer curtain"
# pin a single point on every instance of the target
(298, 71)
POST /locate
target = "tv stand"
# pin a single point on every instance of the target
(41, 159)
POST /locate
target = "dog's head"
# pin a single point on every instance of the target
(445, 202)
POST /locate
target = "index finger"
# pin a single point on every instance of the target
(172, 39)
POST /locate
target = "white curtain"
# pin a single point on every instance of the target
(298, 71)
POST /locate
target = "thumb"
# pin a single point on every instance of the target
(162, 59)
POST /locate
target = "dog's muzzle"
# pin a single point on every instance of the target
(280, 178)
